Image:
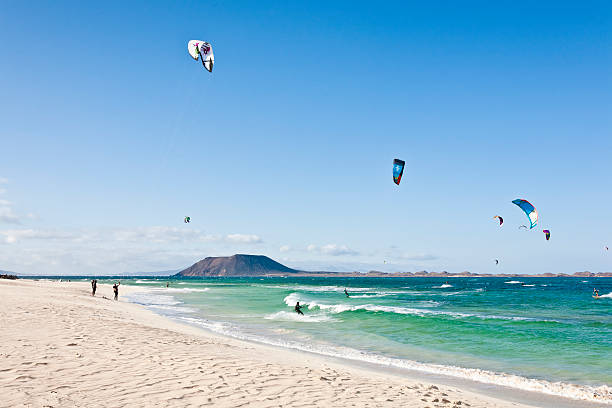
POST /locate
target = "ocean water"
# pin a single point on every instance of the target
(547, 335)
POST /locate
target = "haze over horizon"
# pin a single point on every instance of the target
(111, 134)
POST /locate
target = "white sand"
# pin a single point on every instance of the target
(61, 347)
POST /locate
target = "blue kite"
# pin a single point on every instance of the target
(398, 170)
(529, 209)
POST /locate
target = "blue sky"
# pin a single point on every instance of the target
(110, 134)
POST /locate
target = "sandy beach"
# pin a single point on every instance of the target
(62, 347)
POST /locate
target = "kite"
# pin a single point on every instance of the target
(529, 209)
(547, 233)
(606, 248)
(187, 220)
(523, 226)
(501, 220)
(398, 170)
(202, 49)
(497, 262)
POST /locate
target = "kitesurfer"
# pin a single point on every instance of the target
(346, 293)
(298, 309)
(595, 293)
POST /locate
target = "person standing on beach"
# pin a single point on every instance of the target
(116, 290)
(94, 286)
(298, 309)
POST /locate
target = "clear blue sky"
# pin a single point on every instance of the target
(110, 134)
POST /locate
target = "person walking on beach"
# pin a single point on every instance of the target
(94, 286)
(298, 309)
(116, 290)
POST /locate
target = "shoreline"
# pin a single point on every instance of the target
(159, 341)
(482, 381)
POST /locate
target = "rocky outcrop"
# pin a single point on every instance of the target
(236, 265)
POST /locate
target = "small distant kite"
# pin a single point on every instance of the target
(187, 220)
(523, 226)
(497, 262)
(529, 210)
(202, 49)
(501, 220)
(398, 170)
(606, 248)
(547, 233)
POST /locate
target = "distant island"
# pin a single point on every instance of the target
(261, 265)
(237, 265)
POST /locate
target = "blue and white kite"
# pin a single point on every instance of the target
(529, 209)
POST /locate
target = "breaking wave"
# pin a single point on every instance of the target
(294, 317)
(292, 299)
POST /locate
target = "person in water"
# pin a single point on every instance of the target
(595, 293)
(167, 284)
(298, 309)
(94, 286)
(346, 293)
(116, 290)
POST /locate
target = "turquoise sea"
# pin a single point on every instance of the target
(538, 334)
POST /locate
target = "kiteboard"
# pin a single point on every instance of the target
(596, 297)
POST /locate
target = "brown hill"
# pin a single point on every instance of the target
(236, 265)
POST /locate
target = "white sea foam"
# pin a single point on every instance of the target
(185, 290)
(294, 317)
(601, 394)
(513, 282)
(305, 288)
(608, 295)
(444, 285)
(173, 309)
(528, 285)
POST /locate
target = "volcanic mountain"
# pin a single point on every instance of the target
(236, 265)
